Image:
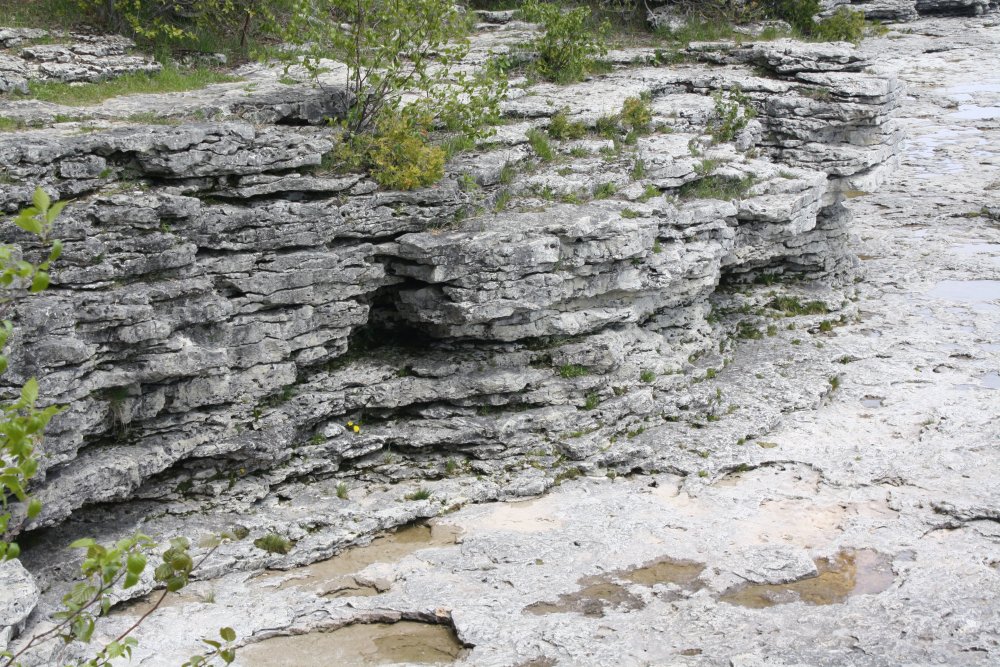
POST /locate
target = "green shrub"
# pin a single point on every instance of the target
(273, 543)
(636, 115)
(191, 23)
(799, 13)
(732, 113)
(561, 128)
(844, 25)
(397, 154)
(369, 36)
(569, 44)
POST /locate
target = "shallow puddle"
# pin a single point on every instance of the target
(602, 592)
(975, 112)
(970, 88)
(862, 572)
(597, 595)
(332, 578)
(977, 249)
(359, 644)
(967, 291)
(667, 571)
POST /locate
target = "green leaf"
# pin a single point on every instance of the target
(13, 551)
(131, 579)
(228, 634)
(227, 655)
(54, 212)
(136, 563)
(34, 508)
(41, 200)
(40, 282)
(163, 572)
(29, 393)
(83, 543)
(28, 223)
(56, 251)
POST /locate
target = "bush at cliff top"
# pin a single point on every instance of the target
(397, 48)
(569, 44)
(219, 25)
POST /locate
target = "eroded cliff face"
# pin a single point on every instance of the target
(224, 315)
(225, 304)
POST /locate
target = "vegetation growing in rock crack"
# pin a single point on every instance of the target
(733, 112)
(273, 543)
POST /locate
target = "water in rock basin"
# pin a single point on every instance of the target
(358, 644)
(978, 292)
(332, 577)
(862, 572)
(362, 643)
(598, 593)
(974, 112)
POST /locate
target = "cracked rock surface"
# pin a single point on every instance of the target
(779, 473)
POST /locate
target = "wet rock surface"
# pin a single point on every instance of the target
(821, 450)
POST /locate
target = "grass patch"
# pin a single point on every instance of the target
(717, 187)
(273, 544)
(151, 118)
(540, 144)
(170, 79)
(13, 124)
(570, 371)
(419, 494)
(701, 30)
(605, 190)
(49, 14)
(567, 474)
(791, 306)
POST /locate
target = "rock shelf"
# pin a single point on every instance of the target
(693, 370)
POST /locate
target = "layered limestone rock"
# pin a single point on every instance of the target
(669, 15)
(909, 10)
(825, 113)
(18, 596)
(25, 57)
(225, 303)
